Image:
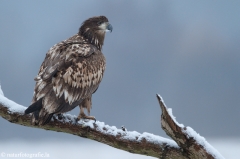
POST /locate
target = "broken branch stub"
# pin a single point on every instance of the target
(191, 143)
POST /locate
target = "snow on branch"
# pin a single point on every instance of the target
(131, 141)
(189, 143)
(192, 144)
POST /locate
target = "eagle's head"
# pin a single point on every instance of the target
(94, 29)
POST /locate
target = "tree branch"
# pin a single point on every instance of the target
(131, 141)
(193, 145)
(134, 142)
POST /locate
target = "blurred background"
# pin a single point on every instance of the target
(186, 51)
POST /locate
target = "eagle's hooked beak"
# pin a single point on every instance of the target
(106, 26)
(109, 27)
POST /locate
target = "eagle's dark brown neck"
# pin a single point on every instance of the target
(95, 37)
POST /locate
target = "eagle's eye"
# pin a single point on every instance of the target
(99, 23)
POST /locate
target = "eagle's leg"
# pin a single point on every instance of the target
(83, 116)
(86, 103)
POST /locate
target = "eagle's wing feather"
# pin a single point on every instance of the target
(61, 54)
(71, 71)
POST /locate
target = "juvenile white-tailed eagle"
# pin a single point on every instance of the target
(70, 73)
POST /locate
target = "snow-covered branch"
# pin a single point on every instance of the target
(132, 141)
(191, 144)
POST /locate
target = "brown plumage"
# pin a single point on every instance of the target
(71, 73)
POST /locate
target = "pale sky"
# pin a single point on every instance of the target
(188, 52)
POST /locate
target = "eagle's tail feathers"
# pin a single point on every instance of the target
(36, 114)
(47, 119)
(37, 106)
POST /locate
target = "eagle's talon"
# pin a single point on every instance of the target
(60, 116)
(76, 121)
(86, 118)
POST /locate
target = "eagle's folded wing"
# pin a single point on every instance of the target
(70, 70)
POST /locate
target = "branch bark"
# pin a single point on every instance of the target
(134, 142)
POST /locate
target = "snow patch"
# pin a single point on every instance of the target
(169, 110)
(174, 118)
(128, 135)
(133, 135)
(158, 139)
(11, 105)
(88, 123)
(201, 140)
